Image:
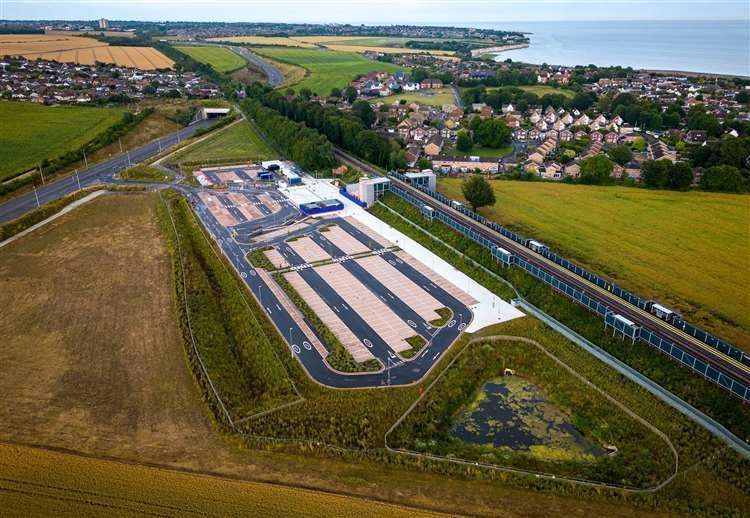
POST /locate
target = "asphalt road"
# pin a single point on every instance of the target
(397, 371)
(274, 75)
(97, 173)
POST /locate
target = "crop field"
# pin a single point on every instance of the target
(221, 59)
(326, 69)
(266, 40)
(237, 143)
(687, 250)
(92, 351)
(108, 34)
(32, 132)
(436, 97)
(38, 482)
(82, 50)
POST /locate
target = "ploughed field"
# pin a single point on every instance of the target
(686, 250)
(32, 132)
(82, 50)
(326, 69)
(221, 59)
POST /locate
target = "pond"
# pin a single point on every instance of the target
(510, 412)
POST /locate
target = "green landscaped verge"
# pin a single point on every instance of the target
(631, 234)
(327, 69)
(259, 260)
(417, 343)
(219, 58)
(445, 316)
(240, 143)
(234, 338)
(146, 173)
(338, 357)
(699, 392)
(32, 132)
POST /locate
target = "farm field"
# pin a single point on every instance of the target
(32, 132)
(221, 59)
(76, 49)
(688, 250)
(41, 482)
(436, 97)
(282, 41)
(339, 43)
(237, 143)
(108, 34)
(326, 69)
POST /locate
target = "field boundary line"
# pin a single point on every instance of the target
(537, 474)
(61, 212)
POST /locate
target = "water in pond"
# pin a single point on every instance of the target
(513, 413)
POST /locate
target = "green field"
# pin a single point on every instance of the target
(480, 151)
(540, 90)
(437, 97)
(239, 142)
(221, 59)
(688, 250)
(326, 69)
(32, 132)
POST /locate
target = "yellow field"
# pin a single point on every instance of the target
(388, 50)
(37, 482)
(108, 34)
(338, 43)
(85, 51)
(266, 40)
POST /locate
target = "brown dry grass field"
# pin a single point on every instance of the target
(93, 363)
(82, 50)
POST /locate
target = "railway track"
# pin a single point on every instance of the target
(702, 351)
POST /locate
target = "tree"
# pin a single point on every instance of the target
(583, 100)
(596, 170)
(350, 93)
(654, 173)
(463, 141)
(477, 192)
(336, 92)
(364, 112)
(724, 178)
(679, 176)
(493, 133)
(620, 154)
(743, 97)
(305, 93)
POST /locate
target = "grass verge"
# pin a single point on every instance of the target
(230, 332)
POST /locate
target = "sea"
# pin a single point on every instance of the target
(717, 47)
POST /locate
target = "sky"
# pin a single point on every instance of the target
(456, 12)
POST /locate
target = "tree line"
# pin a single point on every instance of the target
(301, 144)
(350, 131)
